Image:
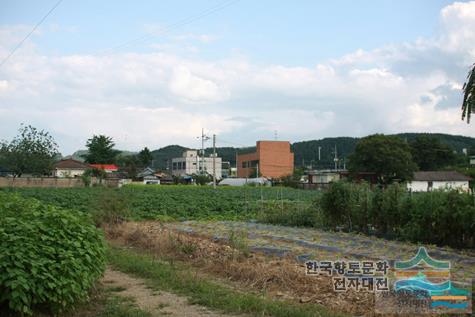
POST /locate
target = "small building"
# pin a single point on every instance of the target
(108, 168)
(69, 168)
(272, 159)
(428, 181)
(320, 179)
(472, 160)
(151, 180)
(191, 163)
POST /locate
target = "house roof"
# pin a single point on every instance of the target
(71, 164)
(106, 167)
(440, 176)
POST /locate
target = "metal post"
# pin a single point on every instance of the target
(214, 161)
(202, 168)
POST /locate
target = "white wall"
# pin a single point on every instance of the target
(193, 166)
(422, 186)
(68, 172)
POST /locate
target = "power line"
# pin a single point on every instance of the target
(176, 25)
(31, 32)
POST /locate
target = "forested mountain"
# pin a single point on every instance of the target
(306, 152)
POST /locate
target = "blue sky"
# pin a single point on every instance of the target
(283, 32)
(308, 69)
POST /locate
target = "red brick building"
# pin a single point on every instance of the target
(273, 159)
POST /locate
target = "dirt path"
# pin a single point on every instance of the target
(157, 303)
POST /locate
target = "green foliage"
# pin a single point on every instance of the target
(438, 217)
(129, 164)
(49, 257)
(110, 207)
(289, 213)
(145, 157)
(94, 172)
(468, 104)
(202, 179)
(32, 151)
(177, 202)
(387, 156)
(100, 150)
(430, 154)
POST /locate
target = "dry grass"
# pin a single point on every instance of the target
(277, 277)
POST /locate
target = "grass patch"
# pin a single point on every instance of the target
(117, 306)
(179, 278)
(105, 303)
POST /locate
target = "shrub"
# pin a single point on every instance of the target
(438, 217)
(49, 257)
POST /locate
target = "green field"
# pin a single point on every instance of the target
(177, 202)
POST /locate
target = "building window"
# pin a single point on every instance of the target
(244, 164)
(174, 166)
(184, 165)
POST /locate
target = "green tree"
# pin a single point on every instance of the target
(31, 151)
(389, 157)
(430, 154)
(468, 104)
(129, 164)
(145, 157)
(100, 150)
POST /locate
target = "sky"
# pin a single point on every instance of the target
(154, 73)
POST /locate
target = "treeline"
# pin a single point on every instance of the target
(306, 152)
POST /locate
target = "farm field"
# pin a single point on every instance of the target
(176, 202)
(313, 244)
(201, 243)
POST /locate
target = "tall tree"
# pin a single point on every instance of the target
(31, 151)
(389, 157)
(468, 104)
(430, 154)
(100, 150)
(145, 157)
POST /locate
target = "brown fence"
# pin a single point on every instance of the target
(52, 182)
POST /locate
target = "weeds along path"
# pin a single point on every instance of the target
(157, 303)
(228, 255)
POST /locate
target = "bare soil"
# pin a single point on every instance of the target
(157, 303)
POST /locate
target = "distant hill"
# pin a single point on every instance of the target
(163, 156)
(306, 152)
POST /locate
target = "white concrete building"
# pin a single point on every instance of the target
(191, 163)
(428, 181)
(472, 160)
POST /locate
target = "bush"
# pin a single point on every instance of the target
(49, 257)
(438, 217)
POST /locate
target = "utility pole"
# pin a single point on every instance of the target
(257, 170)
(214, 161)
(336, 159)
(203, 139)
(319, 148)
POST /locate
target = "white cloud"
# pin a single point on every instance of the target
(154, 99)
